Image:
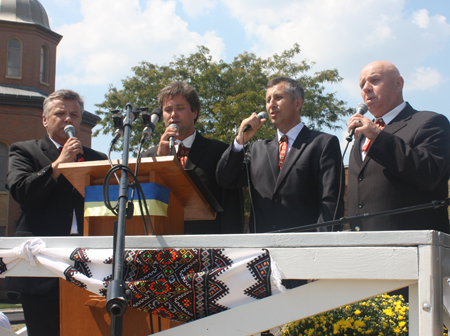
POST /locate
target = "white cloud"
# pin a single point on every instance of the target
(116, 35)
(345, 34)
(424, 79)
(421, 18)
(195, 8)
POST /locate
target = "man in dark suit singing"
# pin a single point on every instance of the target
(294, 178)
(50, 205)
(400, 159)
(181, 106)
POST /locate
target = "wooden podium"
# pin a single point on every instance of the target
(83, 313)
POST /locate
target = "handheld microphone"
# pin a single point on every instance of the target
(171, 139)
(261, 115)
(70, 132)
(154, 119)
(361, 109)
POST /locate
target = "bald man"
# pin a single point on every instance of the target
(399, 159)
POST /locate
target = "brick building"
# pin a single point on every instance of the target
(27, 76)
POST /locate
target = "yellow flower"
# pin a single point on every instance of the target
(357, 312)
(388, 311)
(359, 324)
(401, 324)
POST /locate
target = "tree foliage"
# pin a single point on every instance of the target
(229, 92)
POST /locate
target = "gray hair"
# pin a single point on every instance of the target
(64, 95)
(293, 87)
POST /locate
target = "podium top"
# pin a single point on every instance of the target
(168, 168)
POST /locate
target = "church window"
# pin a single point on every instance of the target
(14, 58)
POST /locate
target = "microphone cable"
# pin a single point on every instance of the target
(349, 139)
(140, 194)
(248, 183)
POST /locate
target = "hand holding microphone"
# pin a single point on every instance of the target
(167, 140)
(250, 125)
(361, 109)
(72, 145)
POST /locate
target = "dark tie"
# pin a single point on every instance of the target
(182, 154)
(380, 123)
(282, 146)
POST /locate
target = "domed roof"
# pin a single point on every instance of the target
(25, 11)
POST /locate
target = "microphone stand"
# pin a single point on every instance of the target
(352, 219)
(118, 295)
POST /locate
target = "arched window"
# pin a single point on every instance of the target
(44, 64)
(14, 58)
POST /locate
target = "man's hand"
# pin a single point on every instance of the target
(163, 147)
(71, 148)
(255, 124)
(363, 125)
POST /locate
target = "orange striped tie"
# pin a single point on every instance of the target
(282, 146)
(182, 153)
(380, 123)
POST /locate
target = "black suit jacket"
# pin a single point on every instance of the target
(202, 159)
(304, 192)
(47, 205)
(407, 164)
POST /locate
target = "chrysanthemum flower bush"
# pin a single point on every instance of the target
(382, 315)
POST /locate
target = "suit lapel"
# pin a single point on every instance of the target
(296, 150)
(400, 121)
(49, 149)
(272, 157)
(197, 151)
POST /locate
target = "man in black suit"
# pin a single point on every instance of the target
(304, 190)
(50, 205)
(406, 163)
(181, 106)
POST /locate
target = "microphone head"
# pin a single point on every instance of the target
(262, 115)
(361, 108)
(174, 126)
(70, 131)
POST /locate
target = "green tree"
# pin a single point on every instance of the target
(229, 92)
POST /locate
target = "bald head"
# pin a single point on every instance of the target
(381, 87)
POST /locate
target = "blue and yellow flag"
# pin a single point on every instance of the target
(157, 197)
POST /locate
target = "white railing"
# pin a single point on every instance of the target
(350, 266)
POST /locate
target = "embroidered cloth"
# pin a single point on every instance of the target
(179, 284)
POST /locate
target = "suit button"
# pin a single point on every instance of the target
(360, 205)
(360, 178)
(274, 227)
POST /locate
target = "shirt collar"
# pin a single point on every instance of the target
(55, 143)
(292, 133)
(388, 117)
(188, 141)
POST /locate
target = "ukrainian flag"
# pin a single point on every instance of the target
(157, 197)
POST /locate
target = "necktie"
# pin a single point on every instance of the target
(182, 154)
(282, 146)
(380, 123)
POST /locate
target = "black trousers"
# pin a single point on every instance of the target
(42, 312)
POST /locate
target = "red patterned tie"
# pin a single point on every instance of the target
(380, 123)
(282, 146)
(182, 154)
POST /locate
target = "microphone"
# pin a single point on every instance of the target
(361, 109)
(154, 119)
(171, 139)
(118, 133)
(70, 132)
(261, 115)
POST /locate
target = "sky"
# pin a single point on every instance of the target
(104, 39)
